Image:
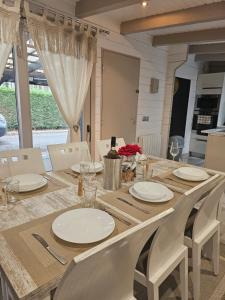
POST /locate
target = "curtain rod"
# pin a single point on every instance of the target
(55, 11)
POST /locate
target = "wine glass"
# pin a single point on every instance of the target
(174, 149)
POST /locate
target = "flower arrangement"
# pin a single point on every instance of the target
(129, 150)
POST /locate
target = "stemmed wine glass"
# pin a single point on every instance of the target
(174, 149)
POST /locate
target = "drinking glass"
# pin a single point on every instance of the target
(12, 188)
(174, 149)
(84, 168)
(90, 177)
(89, 195)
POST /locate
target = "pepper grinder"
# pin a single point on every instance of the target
(80, 187)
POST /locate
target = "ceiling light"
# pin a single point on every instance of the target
(144, 3)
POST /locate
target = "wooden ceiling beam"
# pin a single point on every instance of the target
(87, 8)
(207, 48)
(198, 14)
(210, 57)
(190, 37)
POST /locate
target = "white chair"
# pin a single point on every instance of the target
(103, 146)
(21, 161)
(205, 228)
(106, 272)
(167, 250)
(63, 156)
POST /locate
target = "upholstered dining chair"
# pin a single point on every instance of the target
(107, 270)
(103, 146)
(167, 250)
(63, 156)
(203, 226)
(21, 161)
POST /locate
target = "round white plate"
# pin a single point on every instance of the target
(83, 225)
(150, 190)
(29, 182)
(98, 167)
(166, 198)
(191, 174)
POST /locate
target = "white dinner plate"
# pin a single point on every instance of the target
(98, 167)
(191, 174)
(169, 195)
(83, 225)
(150, 190)
(29, 182)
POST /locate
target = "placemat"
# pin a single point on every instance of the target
(136, 210)
(38, 262)
(52, 186)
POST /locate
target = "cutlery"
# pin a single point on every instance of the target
(117, 217)
(52, 180)
(170, 186)
(131, 204)
(179, 181)
(43, 242)
(71, 174)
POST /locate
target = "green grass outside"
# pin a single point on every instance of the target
(45, 113)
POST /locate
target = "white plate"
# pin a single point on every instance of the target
(191, 174)
(98, 167)
(150, 190)
(83, 225)
(166, 198)
(29, 182)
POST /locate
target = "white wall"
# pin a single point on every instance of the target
(153, 62)
(189, 70)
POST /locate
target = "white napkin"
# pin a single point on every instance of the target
(150, 190)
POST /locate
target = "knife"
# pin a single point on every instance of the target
(43, 242)
(131, 204)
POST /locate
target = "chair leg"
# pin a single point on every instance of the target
(196, 257)
(153, 291)
(183, 268)
(216, 252)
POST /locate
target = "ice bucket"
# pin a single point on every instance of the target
(112, 173)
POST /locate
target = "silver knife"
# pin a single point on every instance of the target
(43, 242)
(131, 204)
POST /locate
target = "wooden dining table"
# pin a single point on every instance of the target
(27, 270)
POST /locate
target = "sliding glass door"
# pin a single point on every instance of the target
(9, 137)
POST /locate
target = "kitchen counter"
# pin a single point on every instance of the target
(215, 151)
(214, 130)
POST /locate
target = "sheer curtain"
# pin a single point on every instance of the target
(67, 54)
(9, 25)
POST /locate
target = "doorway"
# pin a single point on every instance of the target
(180, 106)
(120, 83)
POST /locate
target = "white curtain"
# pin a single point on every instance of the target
(9, 24)
(67, 54)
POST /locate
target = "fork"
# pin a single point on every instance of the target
(131, 204)
(117, 217)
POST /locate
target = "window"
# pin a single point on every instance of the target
(9, 137)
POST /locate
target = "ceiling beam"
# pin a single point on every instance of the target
(87, 8)
(210, 57)
(190, 37)
(207, 48)
(198, 14)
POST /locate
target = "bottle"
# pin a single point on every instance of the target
(113, 154)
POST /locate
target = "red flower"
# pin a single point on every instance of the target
(129, 150)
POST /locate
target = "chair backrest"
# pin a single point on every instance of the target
(107, 270)
(21, 161)
(208, 212)
(151, 144)
(103, 146)
(63, 156)
(169, 238)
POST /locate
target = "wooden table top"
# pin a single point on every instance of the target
(44, 205)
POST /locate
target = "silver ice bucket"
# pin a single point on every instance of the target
(112, 173)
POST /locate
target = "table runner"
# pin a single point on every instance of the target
(52, 186)
(38, 262)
